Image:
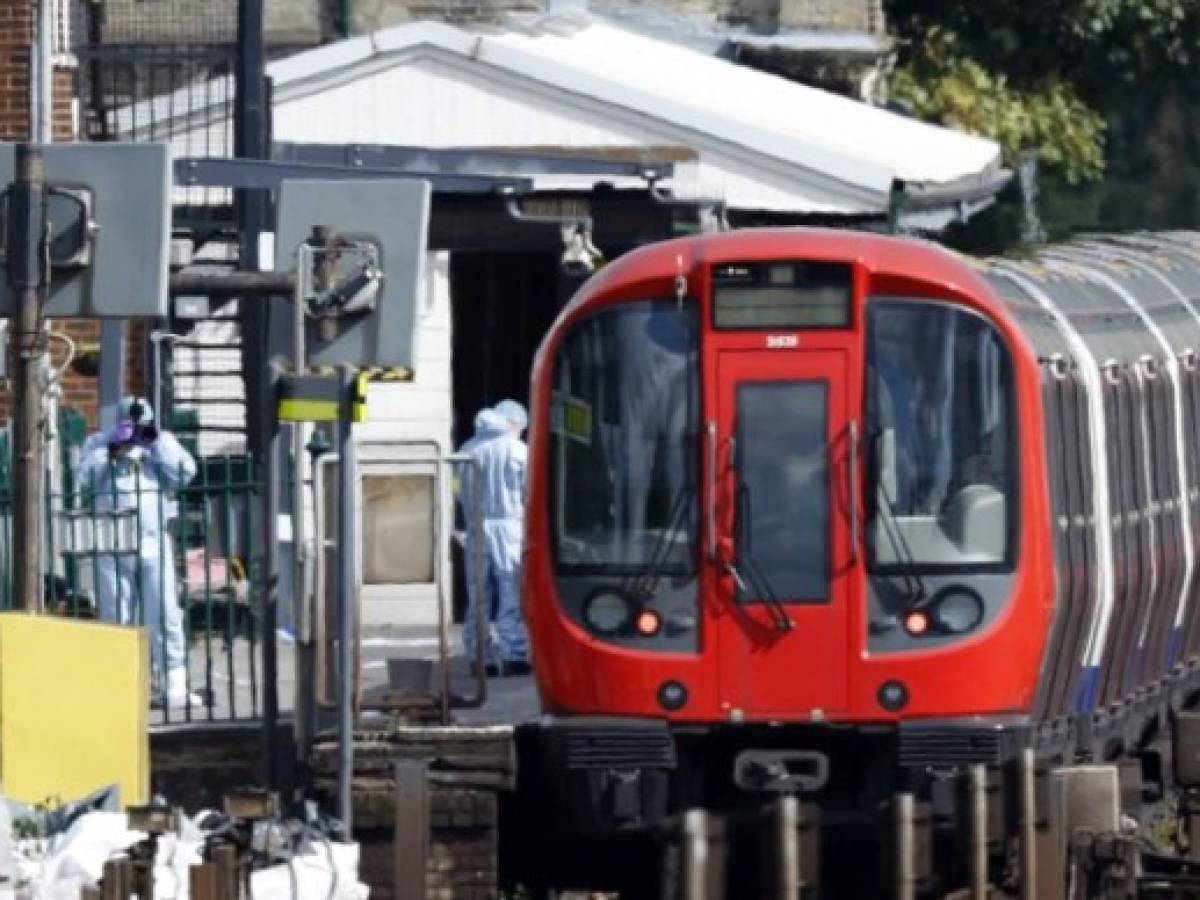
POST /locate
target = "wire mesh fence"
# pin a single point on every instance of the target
(169, 546)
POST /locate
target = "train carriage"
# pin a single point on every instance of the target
(832, 513)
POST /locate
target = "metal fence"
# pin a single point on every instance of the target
(123, 547)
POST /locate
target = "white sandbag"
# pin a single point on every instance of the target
(311, 877)
(78, 857)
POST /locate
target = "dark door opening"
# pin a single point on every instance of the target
(501, 306)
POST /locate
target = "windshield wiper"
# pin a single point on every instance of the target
(644, 585)
(758, 580)
(914, 586)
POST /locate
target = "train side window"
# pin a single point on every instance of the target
(941, 423)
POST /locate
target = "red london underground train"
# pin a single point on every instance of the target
(835, 514)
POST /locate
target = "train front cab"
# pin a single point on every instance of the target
(787, 523)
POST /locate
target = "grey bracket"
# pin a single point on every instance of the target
(128, 189)
(393, 217)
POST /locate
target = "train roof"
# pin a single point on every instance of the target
(1123, 295)
(905, 257)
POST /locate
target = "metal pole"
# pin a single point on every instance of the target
(41, 77)
(695, 855)
(1028, 827)
(979, 838)
(906, 879)
(112, 367)
(347, 544)
(252, 141)
(157, 339)
(302, 608)
(272, 490)
(26, 215)
(787, 848)
(411, 841)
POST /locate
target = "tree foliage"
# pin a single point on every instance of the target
(1048, 77)
(1050, 119)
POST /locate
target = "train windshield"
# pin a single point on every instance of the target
(622, 443)
(941, 437)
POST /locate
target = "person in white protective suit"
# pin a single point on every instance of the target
(501, 457)
(131, 469)
(653, 398)
(471, 539)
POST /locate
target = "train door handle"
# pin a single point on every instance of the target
(852, 463)
(710, 437)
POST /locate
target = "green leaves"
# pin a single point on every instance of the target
(942, 83)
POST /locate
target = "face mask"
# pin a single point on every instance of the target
(125, 430)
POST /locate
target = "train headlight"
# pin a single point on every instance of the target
(607, 612)
(648, 623)
(916, 623)
(957, 609)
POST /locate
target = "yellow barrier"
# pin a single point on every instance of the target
(74, 700)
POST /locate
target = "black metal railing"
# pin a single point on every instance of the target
(178, 555)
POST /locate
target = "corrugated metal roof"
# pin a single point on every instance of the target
(847, 139)
(832, 153)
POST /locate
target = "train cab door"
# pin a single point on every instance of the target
(783, 519)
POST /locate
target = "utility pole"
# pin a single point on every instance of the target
(26, 227)
(252, 141)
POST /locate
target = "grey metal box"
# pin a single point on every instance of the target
(393, 215)
(131, 205)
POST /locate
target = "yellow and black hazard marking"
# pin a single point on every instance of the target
(316, 395)
(309, 398)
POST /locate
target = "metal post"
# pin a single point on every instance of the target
(695, 855)
(272, 489)
(302, 608)
(977, 782)
(314, 270)
(906, 878)
(250, 138)
(347, 546)
(157, 339)
(1028, 821)
(41, 77)
(26, 217)
(411, 831)
(788, 875)
(112, 369)
(252, 141)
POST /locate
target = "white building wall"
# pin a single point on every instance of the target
(421, 409)
(401, 415)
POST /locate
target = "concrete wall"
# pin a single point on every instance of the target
(850, 15)
(371, 15)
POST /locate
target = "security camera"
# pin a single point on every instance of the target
(580, 256)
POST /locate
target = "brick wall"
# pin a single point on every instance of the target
(79, 391)
(16, 23)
